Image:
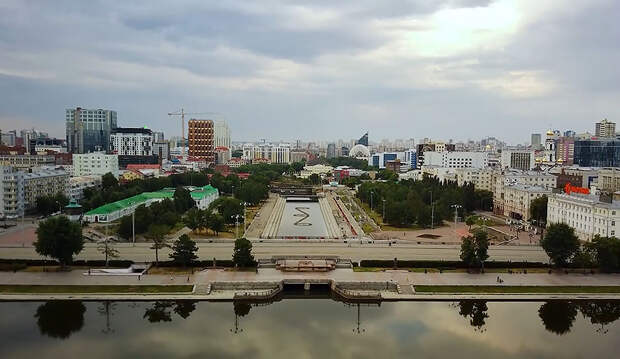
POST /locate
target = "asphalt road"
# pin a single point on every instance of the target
(142, 252)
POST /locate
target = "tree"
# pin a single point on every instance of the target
(183, 200)
(242, 254)
(216, 224)
(107, 249)
(606, 252)
(560, 243)
(314, 179)
(253, 192)
(470, 221)
(474, 249)
(108, 181)
(241, 308)
(192, 219)
(558, 316)
(538, 209)
(60, 318)
(156, 234)
(60, 239)
(228, 207)
(184, 250)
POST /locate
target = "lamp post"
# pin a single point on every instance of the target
(456, 215)
(371, 193)
(383, 211)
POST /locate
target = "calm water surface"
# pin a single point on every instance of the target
(309, 328)
(302, 218)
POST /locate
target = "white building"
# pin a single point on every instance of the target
(267, 152)
(94, 163)
(221, 134)
(319, 169)
(11, 192)
(522, 179)
(456, 159)
(586, 214)
(131, 141)
(77, 185)
(443, 174)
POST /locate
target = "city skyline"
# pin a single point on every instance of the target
(285, 71)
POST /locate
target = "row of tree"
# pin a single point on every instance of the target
(411, 202)
(47, 205)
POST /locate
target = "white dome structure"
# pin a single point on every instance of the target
(359, 151)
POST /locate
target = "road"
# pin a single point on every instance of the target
(141, 252)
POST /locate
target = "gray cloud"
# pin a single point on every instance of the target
(287, 70)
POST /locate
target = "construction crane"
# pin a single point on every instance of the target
(182, 113)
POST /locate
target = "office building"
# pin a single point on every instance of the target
(605, 129)
(95, 163)
(456, 159)
(200, 140)
(565, 150)
(221, 134)
(363, 140)
(587, 214)
(597, 153)
(222, 155)
(267, 153)
(331, 150)
(536, 141)
(131, 141)
(162, 150)
(158, 136)
(518, 159)
(609, 179)
(89, 130)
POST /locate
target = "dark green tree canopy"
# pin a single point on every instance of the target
(242, 254)
(558, 316)
(108, 181)
(60, 318)
(560, 243)
(474, 249)
(59, 238)
(184, 250)
(538, 209)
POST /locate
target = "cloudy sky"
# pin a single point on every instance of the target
(320, 69)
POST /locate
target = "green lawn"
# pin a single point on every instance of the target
(79, 289)
(506, 289)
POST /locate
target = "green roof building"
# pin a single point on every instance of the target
(203, 196)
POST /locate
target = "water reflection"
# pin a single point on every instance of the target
(601, 313)
(59, 319)
(161, 310)
(558, 316)
(476, 311)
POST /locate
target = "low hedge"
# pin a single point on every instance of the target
(447, 264)
(226, 263)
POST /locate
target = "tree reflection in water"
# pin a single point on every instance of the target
(476, 311)
(59, 319)
(558, 316)
(161, 310)
(601, 312)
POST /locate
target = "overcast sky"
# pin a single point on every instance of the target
(460, 69)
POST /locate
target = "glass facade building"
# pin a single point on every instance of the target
(89, 130)
(597, 153)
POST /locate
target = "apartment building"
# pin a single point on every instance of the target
(456, 159)
(77, 185)
(11, 192)
(45, 182)
(200, 139)
(267, 153)
(131, 141)
(609, 179)
(24, 162)
(516, 200)
(482, 179)
(95, 163)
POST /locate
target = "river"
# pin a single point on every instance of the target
(309, 328)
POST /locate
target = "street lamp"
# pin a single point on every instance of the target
(456, 215)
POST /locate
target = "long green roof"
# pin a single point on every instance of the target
(197, 194)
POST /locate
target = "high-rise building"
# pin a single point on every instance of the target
(518, 159)
(456, 159)
(200, 138)
(158, 136)
(88, 130)
(221, 134)
(11, 192)
(536, 141)
(597, 153)
(565, 150)
(363, 140)
(162, 150)
(331, 150)
(266, 152)
(605, 128)
(9, 138)
(131, 141)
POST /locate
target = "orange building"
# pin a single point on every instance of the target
(200, 138)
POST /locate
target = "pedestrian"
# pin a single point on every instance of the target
(188, 279)
(88, 271)
(139, 275)
(171, 278)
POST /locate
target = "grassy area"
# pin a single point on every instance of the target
(77, 289)
(505, 289)
(172, 270)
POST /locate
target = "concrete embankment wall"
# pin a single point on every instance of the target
(333, 230)
(273, 223)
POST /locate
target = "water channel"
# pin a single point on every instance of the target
(318, 327)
